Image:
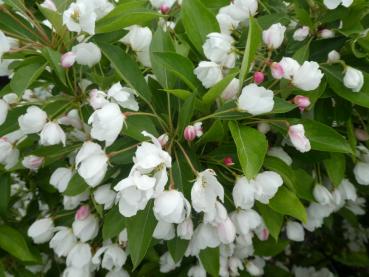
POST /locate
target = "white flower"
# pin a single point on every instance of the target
(114, 257)
(301, 33)
(60, 178)
(41, 230)
(72, 202)
(87, 228)
(80, 256)
(209, 73)
(279, 153)
(105, 196)
(295, 231)
(4, 108)
(5, 148)
(80, 17)
(326, 33)
(52, 134)
(256, 266)
(204, 236)
(138, 38)
(333, 56)
(205, 191)
(274, 36)
(87, 53)
(32, 162)
(347, 190)
(218, 48)
(107, 123)
(97, 99)
(167, 264)
(243, 193)
(158, 3)
(68, 59)
(226, 23)
(266, 185)
(171, 206)
(353, 79)
(308, 76)
(77, 272)
(91, 163)
(298, 138)
(185, 229)
(332, 4)
(33, 120)
(134, 192)
(289, 67)
(197, 271)
(164, 231)
(230, 92)
(226, 231)
(124, 96)
(63, 241)
(256, 100)
(361, 171)
(246, 221)
(71, 119)
(240, 10)
(49, 4)
(118, 273)
(217, 214)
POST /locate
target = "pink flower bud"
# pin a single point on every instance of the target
(83, 212)
(264, 234)
(277, 71)
(164, 9)
(298, 138)
(228, 161)
(190, 133)
(302, 102)
(68, 59)
(361, 135)
(258, 77)
(32, 162)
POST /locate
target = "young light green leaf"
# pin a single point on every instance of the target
(251, 148)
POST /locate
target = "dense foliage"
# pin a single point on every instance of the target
(184, 138)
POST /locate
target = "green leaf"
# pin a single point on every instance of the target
(182, 175)
(4, 192)
(286, 202)
(53, 57)
(198, 22)
(353, 259)
(323, 137)
(210, 260)
(270, 247)
(251, 148)
(136, 124)
(180, 66)
(114, 223)
(335, 167)
(124, 15)
(334, 78)
(177, 247)
(162, 42)
(252, 44)
(302, 54)
(127, 69)
(13, 242)
(26, 75)
(218, 88)
(272, 219)
(54, 18)
(140, 229)
(279, 166)
(282, 106)
(304, 185)
(185, 115)
(17, 5)
(215, 133)
(76, 186)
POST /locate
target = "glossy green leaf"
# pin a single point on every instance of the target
(76, 186)
(185, 114)
(286, 202)
(177, 247)
(270, 247)
(279, 166)
(251, 148)
(272, 219)
(5, 182)
(127, 69)
(302, 54)
(53, 57)
(13, 242)
(210, 260)
(214, 92)
(198, 22)
(335, 167)
(114, 223)
(304, 185)
(215, 133)
(140, 229)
